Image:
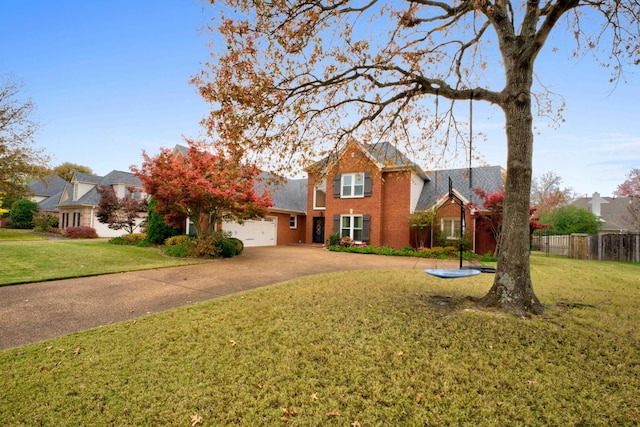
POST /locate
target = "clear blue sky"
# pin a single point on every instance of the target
(110, 79)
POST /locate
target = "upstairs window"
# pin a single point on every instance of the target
(352, 185)
(320, 195)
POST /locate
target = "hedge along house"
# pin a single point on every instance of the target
(79, 202)
(368, 191)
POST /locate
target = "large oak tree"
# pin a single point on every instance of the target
(295, 78)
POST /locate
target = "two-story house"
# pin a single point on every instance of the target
(78, 203)
(368, 191)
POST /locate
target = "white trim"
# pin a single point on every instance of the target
(354, 177)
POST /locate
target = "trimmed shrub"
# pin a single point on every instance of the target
(82, 232)
(45, 222)
(177, 240)
(205, 246)
(334, 239)
(129, 239)
(238, 243)
(227, 248)
(22, 212)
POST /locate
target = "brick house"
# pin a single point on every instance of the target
(368, 191)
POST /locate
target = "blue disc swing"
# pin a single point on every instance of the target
(471, 270)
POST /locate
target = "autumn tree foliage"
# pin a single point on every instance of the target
(547, 194)
(299, 78)
(20, 160)
(491, 214)
(631, 186)
(202, 185)
(67, 169)
(121, 213)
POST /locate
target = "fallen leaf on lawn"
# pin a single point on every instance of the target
(333, 414)
(314, 396)
(400, 353)
(233, 342)
(49, 347)
(419, 397)
(289, 412)
(355, 424)
(196, 419)
(531, 382)
(76, 351)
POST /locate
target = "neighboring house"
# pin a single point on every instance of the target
(78, 202)
(613, 212)
(47, 193)
(368, 191)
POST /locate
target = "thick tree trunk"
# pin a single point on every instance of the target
(512, 289)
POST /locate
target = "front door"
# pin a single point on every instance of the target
(318, 229)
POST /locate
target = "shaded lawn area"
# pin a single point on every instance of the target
(351, 349)
(26, 261)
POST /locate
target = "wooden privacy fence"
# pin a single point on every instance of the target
(605, 247)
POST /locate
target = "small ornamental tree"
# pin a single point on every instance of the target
(205, 186)
(121, 213)
(491, 215)
(421, 222)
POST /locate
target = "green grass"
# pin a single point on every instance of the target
(396, 348)
(8, 234)
(25, 261)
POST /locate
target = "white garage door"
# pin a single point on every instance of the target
(258, 232)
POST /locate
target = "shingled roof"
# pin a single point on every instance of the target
(92, 198)
(287, 194)
(489, 178)
(51, 188)
(614, 212)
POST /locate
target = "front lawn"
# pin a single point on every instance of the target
(10, 234)
(25, 261)
(365, 348)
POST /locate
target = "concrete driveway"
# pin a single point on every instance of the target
(37, 311)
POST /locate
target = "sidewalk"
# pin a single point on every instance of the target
(37, 311)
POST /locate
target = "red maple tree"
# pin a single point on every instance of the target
(492, 210)
(203, 185)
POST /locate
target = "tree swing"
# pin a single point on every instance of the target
(472, 270)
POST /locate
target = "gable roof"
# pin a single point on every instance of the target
(489, 178)
(614, 212)
(48, 186)
(383, 154)
(51, 188)
(92, 198)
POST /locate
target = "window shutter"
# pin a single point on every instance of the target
(336, 224)
(336, 186)
(366, 228)
(367, 184)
